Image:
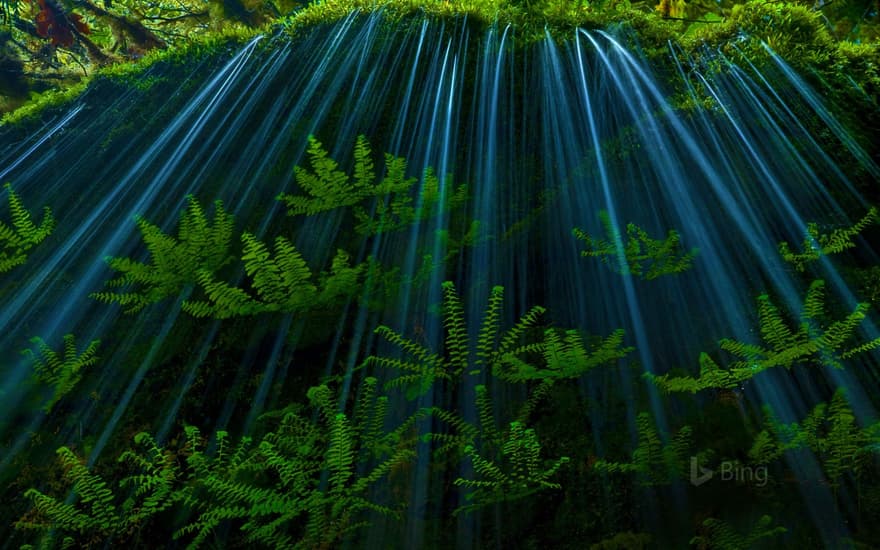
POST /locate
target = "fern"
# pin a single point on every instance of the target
(282, 282)
(719, 535)
(653, 462)
(426, 366)
(455, 241)
(98, 514)
(568, 357)
(155, 487)
(17, 240)
(639, 255)
(812, 342)
(488, 442)
(200, 247)
(327, 187)
(844, 442)
(500, 353)
(379, 206)
(395, 210)
(274, 490)
(342, 281)
(94, 515)
(61, 370)
(711, 376)
(829, 430)
(519, 472)
(464, 432)
(816, 244)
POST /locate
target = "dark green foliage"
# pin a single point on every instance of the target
(16, 241)
(813, 342)
(711, 376)
(154, 487)
(200, 247)
(395, 208)
(315, 478)
(327, 187)
(282, 282)
(830, 431)
(424, 365)
(60, 370)
(640, 256)
(507, 460)
(818, 244)
(272, 490)
(518, 473)
(500, 353)
(564, 357)
(378, 206)
(93, 517)
(275, 491)
(720, 535)
(624, 541)
(653, 462)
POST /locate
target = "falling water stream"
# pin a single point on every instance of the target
(548, 137)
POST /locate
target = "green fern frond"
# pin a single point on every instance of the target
(541, 392)
(764, 449)
(274, 491)
(485, 414)
(814, 341)
(343, 281)
(487, 340)
(326, 186)
(94, 514)
(61, 370)
(829, 430)
(518, 472)
(457, 422)
(566, 357)
(653, 462)
(721, 535)
(640, 256)
(816, 244)
(456, 331)
(282, 282)
(490, 346)
(844, 442)
(17, 240)
(200, 247)
(341, 453)
(378, 206)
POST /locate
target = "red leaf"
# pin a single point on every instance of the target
(80, 25)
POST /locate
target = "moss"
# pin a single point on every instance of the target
(127, 73)
(795, 32)
(560, 18)
(862, 60)
(46, 100)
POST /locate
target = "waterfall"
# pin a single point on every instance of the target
(624, 196)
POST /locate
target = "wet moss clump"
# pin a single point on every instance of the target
(799, 35)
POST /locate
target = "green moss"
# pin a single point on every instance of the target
(560, 18)
(40, 102)
(795, 32)
(127, 73)
(863, 61)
